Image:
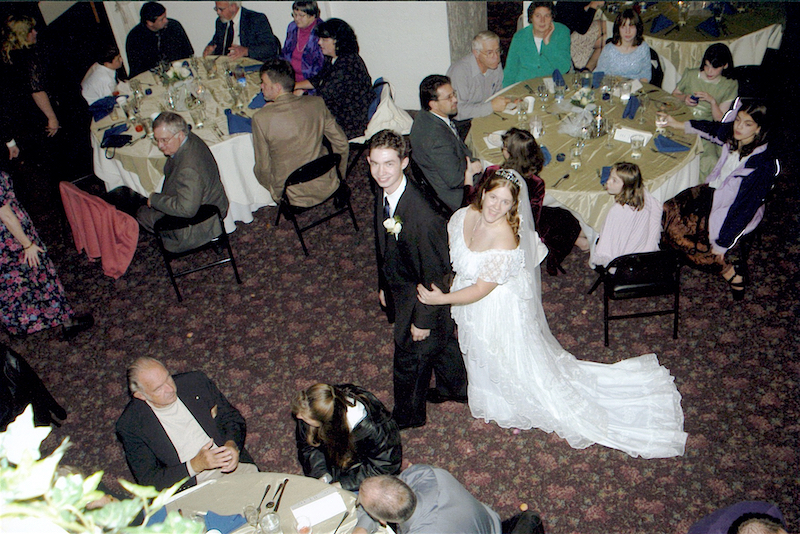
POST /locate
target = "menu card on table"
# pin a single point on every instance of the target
(320, 507)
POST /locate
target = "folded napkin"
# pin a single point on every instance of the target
(102, 108)
(258, 101)
(661, 23)
(224, 523)
(252, 68)
(709, 26)
(237, 123)
(597, 79)
(158, 517)
(631, 108)
(605, 174)
(665, 144)
(546, 153)
(727, 8)
(558, 79)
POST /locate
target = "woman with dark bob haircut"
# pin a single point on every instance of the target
(629, 56)
(345, 434)
(344, 82)
(706, 221)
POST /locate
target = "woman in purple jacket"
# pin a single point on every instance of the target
(301, 47)
(706, 221)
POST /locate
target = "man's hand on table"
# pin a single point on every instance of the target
(237, 51)
(500, 103)
(225, 458)
(208, 50)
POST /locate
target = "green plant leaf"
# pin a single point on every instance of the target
(117, 514)
(144, 492)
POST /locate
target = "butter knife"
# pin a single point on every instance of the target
(285, 483)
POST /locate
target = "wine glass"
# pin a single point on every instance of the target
(643, 101)
(611, 131)
(543, 95)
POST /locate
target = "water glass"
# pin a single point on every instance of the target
(575, 157)
(197, 117)
(625, 91)
(543, 95)
(643, 102)
(586, 79)
(270, 523)
(661, 121)
(637, 142)
(537, 127)
(251, 515)
(304, 525)
(522, 117)
(611, 131)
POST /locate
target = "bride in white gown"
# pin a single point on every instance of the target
(519, 375)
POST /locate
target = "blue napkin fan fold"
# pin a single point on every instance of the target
(631, 108)
(546, 154)
(661, 23)
(665, 144)
(252, 68)
(258, 101)
(237, 123)
(710, 27)
(558, 79)
(605, 174)
(224, 523)
(102, 108)
(597, 79)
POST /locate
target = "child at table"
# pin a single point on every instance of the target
(633, 224)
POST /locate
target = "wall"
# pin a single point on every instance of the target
(401, 41)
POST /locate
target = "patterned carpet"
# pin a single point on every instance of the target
(296, 320)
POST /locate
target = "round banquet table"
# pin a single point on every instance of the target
(140, 165)
(229, 495)
(747, 34)
(665, 175)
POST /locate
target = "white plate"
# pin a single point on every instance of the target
(495, 139)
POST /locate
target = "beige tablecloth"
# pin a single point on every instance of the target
(664, 175)
(229, 495)
(140, 166)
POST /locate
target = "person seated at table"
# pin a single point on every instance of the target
(345, 434)
(240, 32)
(436, 147)
(587, 35)
(344, 82)
(634, 222)
(478, 76)
(630, 55)
(746, 517)
(538, 50)
(707, 221)
(100, 80)
(301, 47)
(288, 133)
(179, 426)
(557, 227)
(709, 91)
(156, 39)
(191, 179)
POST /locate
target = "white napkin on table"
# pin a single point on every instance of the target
(624, 134)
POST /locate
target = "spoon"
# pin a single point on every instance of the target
(271, 503)
(562, 178)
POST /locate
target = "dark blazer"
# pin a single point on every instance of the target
(145, 48)
(255, 33)
(441, 156)
(191, 179)
(150, 454)
(376, 439)
(418, 255)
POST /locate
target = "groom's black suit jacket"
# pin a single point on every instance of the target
(418, 255)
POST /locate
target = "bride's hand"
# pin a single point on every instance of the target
(432, 296)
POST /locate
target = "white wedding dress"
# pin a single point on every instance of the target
(520, 376)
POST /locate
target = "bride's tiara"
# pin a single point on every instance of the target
(509, 174)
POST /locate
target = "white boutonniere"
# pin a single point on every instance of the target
(393, 225)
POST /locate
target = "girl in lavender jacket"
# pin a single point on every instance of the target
(706, 221)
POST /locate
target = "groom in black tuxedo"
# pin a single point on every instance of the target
(411, 245)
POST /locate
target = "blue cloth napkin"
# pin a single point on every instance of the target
(252, 68)
(630, 109)
(558, 79)
(597, 79)
(158, 517)
(237, 123)
(258, 101)
(102, 108)
(665, 144)
(115, 130)
(661, 23)
(546, 154)
(605, 174)
(224, 523)
(727, 8)
(709, 26)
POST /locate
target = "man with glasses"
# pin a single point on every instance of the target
(241, 32)
(477, 77)
(436, 146)
(191, 179)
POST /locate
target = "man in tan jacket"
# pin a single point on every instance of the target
(287, 133)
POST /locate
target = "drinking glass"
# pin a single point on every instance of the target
(611, 130)
(643, 101)
(637, 142)
(625, 91)
(661, 121)
(537, 127)
(543, 95)
(303, 525)
(197, 117)
(251, 514)
(575, 157)
(270, 523)
(522, 117)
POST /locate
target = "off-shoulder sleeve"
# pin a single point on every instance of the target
(499, 266)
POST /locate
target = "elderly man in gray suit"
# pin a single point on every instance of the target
(287, 133)
(191, 179)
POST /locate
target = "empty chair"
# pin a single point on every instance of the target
(308, 172)
(170, 223)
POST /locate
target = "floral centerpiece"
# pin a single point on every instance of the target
(582, 97)
(178, 71)
(35, 499)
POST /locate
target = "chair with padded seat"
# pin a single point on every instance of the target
(170, 223)
(308, 172)
(641, 275)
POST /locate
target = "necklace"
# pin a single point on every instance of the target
(475, 229)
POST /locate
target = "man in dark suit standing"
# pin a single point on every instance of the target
(241, 32)
(411, 246)
(441, 154)
(191, 179)
(180, 426)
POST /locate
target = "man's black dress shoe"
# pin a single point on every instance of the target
(80, 323)
(404, 426)
(434, 397)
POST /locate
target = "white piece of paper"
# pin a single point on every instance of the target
(624, 134)
(320, 507)
(186, 492)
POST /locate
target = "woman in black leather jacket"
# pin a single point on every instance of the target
(345, 434)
